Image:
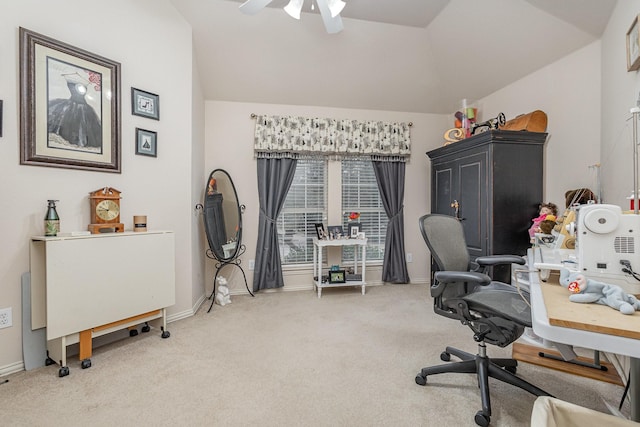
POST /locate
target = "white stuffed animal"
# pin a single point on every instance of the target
(586, 290)
(222, 294)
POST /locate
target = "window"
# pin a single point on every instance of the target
(360, 194)
(306, 204)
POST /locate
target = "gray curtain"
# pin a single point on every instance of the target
(390, 177)
(274, 179)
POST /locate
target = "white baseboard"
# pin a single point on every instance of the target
(12, 368)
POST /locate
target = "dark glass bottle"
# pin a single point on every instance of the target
(51, 220)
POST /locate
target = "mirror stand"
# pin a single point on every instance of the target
(220, 264)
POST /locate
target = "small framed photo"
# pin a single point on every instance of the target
(361, 236)
(320, 231)
(633, 46)
(354, 229)
(335, 231)
(145, 104)
(337, 276)
(146, 142)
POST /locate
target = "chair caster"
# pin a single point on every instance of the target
(445, 357)
(49, 361)
(482, 419)
(63, 372)
(420, 380)
(145, 328)
(86, 363)
(165, 334)
(133, 332)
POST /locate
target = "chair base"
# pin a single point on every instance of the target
(484, 367)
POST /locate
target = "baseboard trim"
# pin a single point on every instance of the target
(12, 368)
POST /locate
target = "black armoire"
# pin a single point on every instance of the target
(492, 182)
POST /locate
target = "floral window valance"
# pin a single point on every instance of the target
(289, 136)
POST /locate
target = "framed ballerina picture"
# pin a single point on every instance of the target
(70, 106)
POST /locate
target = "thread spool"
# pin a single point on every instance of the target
(139, 223)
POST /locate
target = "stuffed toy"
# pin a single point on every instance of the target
(547, 224)
(581, 196)
(222, 294)
(586, 290)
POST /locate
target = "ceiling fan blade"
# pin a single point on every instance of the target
(294, 8)
(251, 7)
(332, 24)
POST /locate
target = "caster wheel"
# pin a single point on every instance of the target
(145, 328)
(445, 357)
(133, 332)
(482, 419)
(512, 369)
(86, 363)
(166, 334)
(63, 372)
(420, 380)
(49, 361)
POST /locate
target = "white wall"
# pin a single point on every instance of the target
(568, 91)
(229, 145)
(620, 92)
(153, 44)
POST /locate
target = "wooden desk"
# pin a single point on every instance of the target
(591, 326)
(86, 286)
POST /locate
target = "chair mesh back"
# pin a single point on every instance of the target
(445, 238)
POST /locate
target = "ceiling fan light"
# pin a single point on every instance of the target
(336, 6)
(294, 8)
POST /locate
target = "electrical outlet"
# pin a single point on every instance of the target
(409, 257)
(252, 264)
(5, 318)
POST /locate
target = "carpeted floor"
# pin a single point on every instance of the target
(287, 359)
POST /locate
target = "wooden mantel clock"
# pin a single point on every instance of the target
(105, 211)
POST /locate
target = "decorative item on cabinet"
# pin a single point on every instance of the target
(105, 211)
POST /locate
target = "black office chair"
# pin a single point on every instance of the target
(497, 313)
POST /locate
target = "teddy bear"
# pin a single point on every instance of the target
(222, 294)
(586, 290)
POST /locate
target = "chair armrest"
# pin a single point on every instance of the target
(491, 260)
(462, 276)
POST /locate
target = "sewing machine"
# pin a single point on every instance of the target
(606, 245)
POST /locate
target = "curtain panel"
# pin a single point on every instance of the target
(300, 137)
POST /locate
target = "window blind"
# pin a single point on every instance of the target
(360, 194)
(305, 205)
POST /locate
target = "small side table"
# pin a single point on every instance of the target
(317, 262)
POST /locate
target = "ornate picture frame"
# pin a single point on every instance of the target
(145, 104)
(69, 106)
(146, 142)
(633, 46)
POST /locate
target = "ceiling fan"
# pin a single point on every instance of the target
(329, 9)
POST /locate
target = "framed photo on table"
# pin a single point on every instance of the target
(320, 231)
(69, 106)
(145, 104)
(633, 46)
(335, 231)
(337, 276)
(354, 229)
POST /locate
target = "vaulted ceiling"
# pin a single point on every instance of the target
(399, 55)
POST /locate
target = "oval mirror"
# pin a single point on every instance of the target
(222, 219)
